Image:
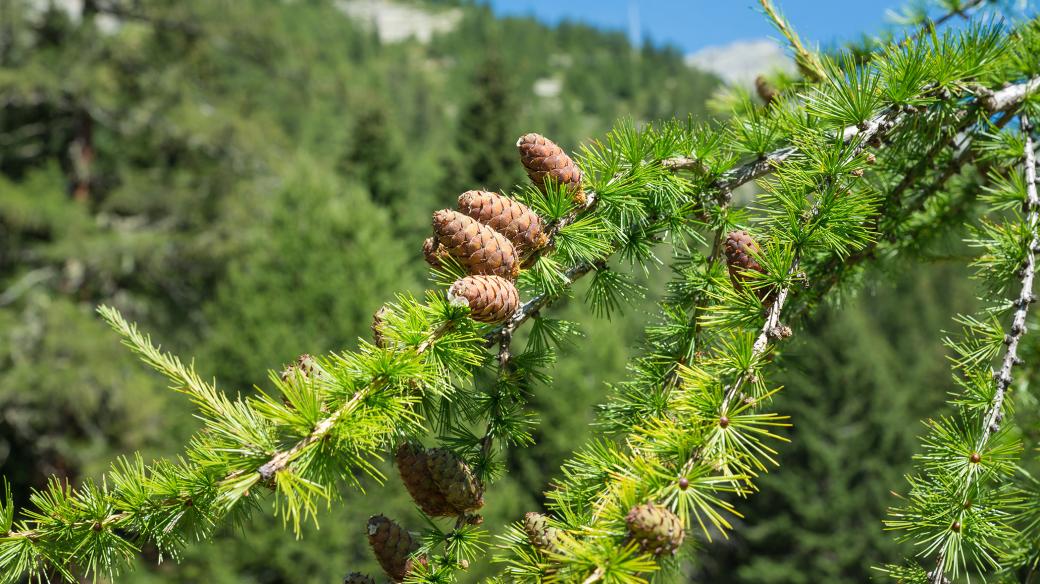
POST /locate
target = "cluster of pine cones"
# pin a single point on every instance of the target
(489, 234)
(442, 485)
(654, 528)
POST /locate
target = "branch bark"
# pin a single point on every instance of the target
(994, 414)
(1010, 96)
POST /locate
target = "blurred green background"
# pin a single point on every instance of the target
(250, 180)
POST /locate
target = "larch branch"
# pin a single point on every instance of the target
(994, 414)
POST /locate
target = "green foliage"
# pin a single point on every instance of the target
(317, 246)
(861, 160)
(861, 377)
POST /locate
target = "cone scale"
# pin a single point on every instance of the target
(545, 161)
(519, 224)
(655, 529)
(455, 480)
(392, 545)
(490, 298)
(413, 464)
(741, 251)
(479, 248)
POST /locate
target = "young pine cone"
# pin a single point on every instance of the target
(379, 325)
(766, 91)
(392, 546)
(490, 298)
(740, 250)
(305, 366)
(455, 480)
(412, 463)
(544, 160)
(479, 248)
(358, 578)
(541, 535)
(655, 528)
(521, 226)
(433, 252)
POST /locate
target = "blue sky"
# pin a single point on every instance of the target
(694, 24)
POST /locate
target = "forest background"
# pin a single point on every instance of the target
(250, 180)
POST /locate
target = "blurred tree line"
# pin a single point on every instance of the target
(250, 180)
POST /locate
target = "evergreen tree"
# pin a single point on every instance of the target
(485, 156)
(313, 257)
(375, 157)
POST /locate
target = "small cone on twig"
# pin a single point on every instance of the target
(433, 252)
(490, 298)
(358, 578)
(521, 226)
(766, 91)
(544, 160)
(455, 480)
(479, 248)
(304, 366)
(392, 545)
(413, 464)
(541, 535)
(655, 528)
(379, 326)
(740, 249)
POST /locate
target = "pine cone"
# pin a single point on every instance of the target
(358, 578)
(433, 252)
(542, 535)
(521, 226)
(392, 545)
(378, 326)
(455, 480)
(543, 159)
(740, 250)
(656, 529)
(490, 298)
(412, 463)
(304, 365)
(766, 91)
(479, 248)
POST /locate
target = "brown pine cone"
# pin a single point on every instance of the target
(378, 326)
(455, 480)
(392, 545)
(766, 91)
(655, 528)
(490, 298)
(358, 578)
(541, 535)
(740, 249)
(543, 159)
(479, 248)
(412, 463)
(305, 366)
(433, 252)
(521, 226)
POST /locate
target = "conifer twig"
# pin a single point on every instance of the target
(771, 328)
(994, 414)
(835, 266)
(722, 187)
(931, 24)
(808, 62)
(281, 459)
